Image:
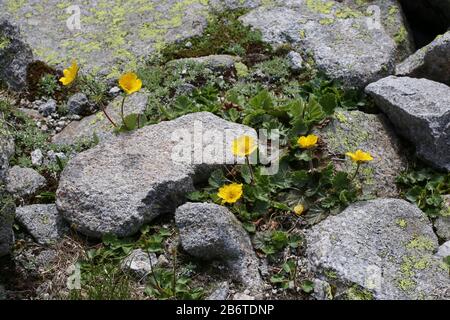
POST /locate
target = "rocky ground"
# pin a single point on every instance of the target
(94, 205)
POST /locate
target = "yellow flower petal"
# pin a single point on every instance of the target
(299, 209)
(130, 83)
(230, 193)
(360, 156)
(70, 74)
(307, 142)
(243, 146)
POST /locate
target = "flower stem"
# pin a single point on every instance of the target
(107, 116)
(356, 171)
(121, 111)
(311, 164)
(102, 107)
(247, 161)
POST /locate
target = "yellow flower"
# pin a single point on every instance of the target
(230, 193)
(360, 156)
(243, 146)
(308, 142)
(299, 209)
(130, 83)
(70, 74)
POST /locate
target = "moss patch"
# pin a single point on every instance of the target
(401, 36)
(402, 223)
(4, 42)
(225, 34)
(357, 293)
(320, 6)
(421, 243)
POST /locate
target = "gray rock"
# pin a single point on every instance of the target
(139, 263)
(112, 37)
(211, 232)
(420, 111)
(79, 104)
(6, 151)
(386, 246)
(52, 156)
(98, 124)
(24, 182)
(430, 62)
(15, 56)
(322, 290)
(35, 260)
(47, 108)
(220, 293)
(114, 91)
(442, 223)
(43, 222)
(444, 250)
(339, 38)
(7, 209)
(37, 157)
(243, 297)
(392, 19)
(163, 261)
(353, 130)
(295, 60)
(185, 89)
(130, 179)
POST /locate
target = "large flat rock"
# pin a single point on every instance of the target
(113, 35)
(15, 55)
(353, 130)
(420, 111)
(24, 182)
(340, 38)
(385, 246)
(130, 179)
(212, 232)
(430, 62)
(43, 222)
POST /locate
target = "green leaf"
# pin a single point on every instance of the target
(314, 113)
(131, 121)
(278, 278)
(233, 115)
(328, 103)
(217, 179)
(246, 174)
(295, 109)
(308, 286)
(341, 181)
(414, 194)
(249, 227)
(295, 241)
(300, 178)
(262, 100)
(304, 156)
(280, 206)
(289, 266)
(195, 196)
